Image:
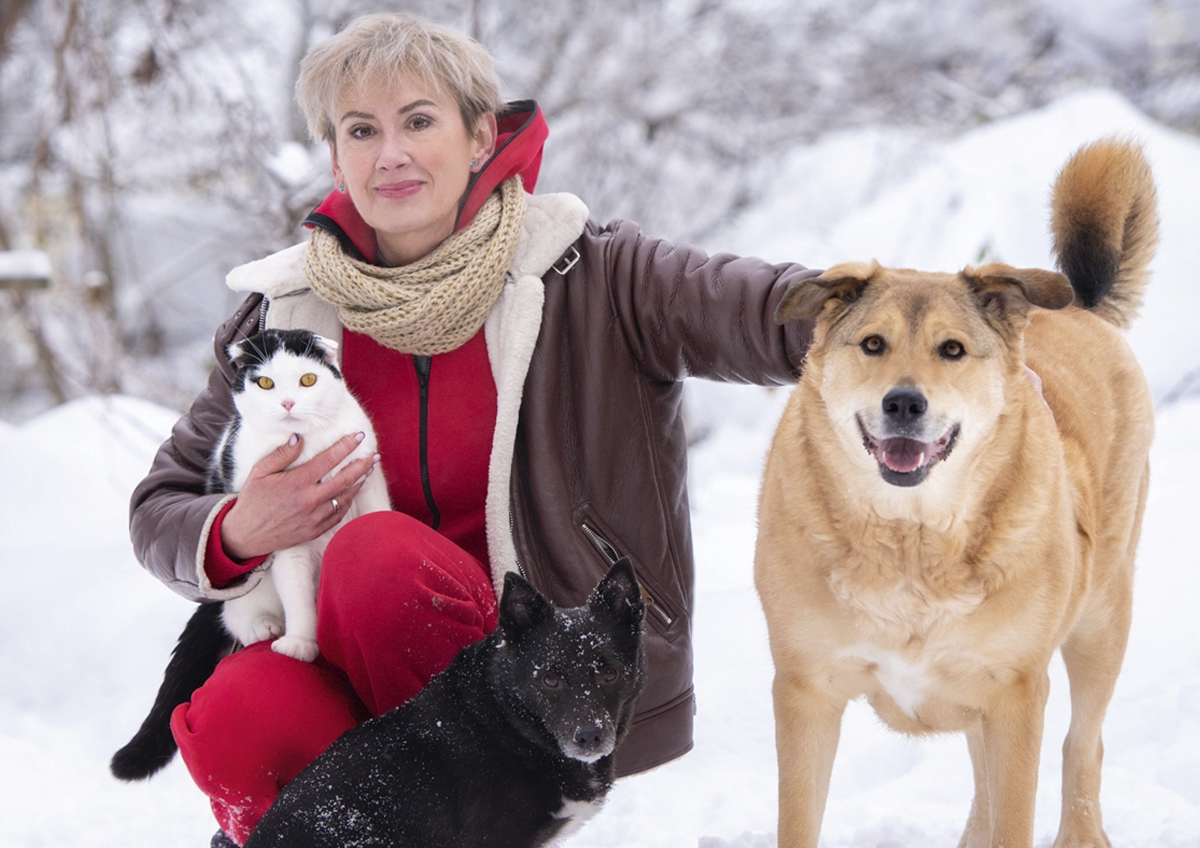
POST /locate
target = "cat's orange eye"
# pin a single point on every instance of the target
(308, 379)
(265, 383)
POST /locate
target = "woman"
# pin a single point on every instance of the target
(523, 368)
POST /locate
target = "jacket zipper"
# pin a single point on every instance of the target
(424, 364)
(611, 554)
(512, 532)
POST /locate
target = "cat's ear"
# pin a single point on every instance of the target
(234, 350)
(331, 349)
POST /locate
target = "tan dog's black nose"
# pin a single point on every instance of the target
(904, 406)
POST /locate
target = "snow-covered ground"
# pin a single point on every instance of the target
(84, 633)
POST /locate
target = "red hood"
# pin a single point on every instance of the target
(521, 135)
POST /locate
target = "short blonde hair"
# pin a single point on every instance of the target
(390, 46)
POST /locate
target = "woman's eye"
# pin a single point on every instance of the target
(952, 349)
(360, 132)
(420, 122)
(308, 380)
(264, 382)
(873, 345)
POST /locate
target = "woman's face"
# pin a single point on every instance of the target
(405, 156)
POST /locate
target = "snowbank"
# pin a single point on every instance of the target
(938, 205)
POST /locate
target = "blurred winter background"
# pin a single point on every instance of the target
(147, 146)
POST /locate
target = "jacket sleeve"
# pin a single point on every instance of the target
(169, 513)
(687, 314)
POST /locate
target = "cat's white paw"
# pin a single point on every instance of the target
(304, 650)
(264, 628)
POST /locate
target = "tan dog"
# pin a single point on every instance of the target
(931, 529)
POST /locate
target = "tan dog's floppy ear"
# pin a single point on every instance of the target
(808, 297)
(1014, 290)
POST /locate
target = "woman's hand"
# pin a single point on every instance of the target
(279, 506)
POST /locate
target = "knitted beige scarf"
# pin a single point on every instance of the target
(432, 305)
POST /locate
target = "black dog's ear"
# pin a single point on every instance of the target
(521, 606)
(619, 594)
(841, 283)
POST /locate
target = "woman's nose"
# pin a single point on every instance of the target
(393, 151)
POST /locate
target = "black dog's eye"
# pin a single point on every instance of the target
(873, 345)
(551, 681)
(608, 675)
(952, 349)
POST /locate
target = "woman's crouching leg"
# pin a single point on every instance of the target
(397, 602)
(257, 722)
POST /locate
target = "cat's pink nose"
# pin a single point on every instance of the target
(287, 404)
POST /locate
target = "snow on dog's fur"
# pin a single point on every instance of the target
(511, 745)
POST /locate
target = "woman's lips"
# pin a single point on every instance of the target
(396, 191)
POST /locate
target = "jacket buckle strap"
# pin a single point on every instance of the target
(567, 261)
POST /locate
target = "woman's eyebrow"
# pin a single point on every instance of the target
(404, 110)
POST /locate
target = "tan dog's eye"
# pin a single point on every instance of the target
(873, 345)
(308, 380)
(952, 349)
(264, 382)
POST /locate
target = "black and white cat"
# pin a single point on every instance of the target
(286, 383)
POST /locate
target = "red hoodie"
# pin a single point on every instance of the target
(433, 416)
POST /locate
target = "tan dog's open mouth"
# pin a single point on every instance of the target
(904, 461)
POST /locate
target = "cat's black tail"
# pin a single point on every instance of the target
(200, 647)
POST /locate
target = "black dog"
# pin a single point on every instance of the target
(509, 747)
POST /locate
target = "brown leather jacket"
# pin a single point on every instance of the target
(599, 464)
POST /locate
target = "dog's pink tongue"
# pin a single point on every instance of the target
(903, 455)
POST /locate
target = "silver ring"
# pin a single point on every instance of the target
(337, 508)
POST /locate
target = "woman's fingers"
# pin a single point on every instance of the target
(279, 507)
(320, 465)
(280, 458)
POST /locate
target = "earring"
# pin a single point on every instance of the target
(474, 162)
(341, 187)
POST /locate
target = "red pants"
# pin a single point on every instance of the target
(396, 603)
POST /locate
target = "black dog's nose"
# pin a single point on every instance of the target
(904, 405)
(589, 735)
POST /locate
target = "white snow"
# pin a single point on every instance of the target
(85, 633)
(24, 264)
(941, 205)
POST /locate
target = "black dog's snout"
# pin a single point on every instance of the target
(904, 406)
(589, 735)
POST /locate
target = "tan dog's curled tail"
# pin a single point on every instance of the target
(1105, 223)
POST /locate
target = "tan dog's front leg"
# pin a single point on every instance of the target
(807, 726)
(978, 833)
(1012, 741)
